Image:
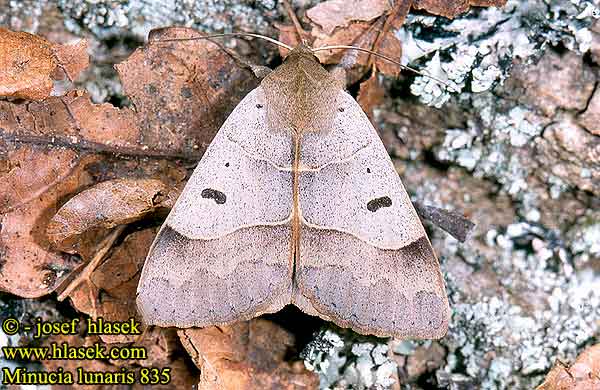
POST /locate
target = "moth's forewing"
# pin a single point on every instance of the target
(223, 254)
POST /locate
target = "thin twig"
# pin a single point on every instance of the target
(104, 247)
(299, 30)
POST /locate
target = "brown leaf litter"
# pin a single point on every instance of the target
(29, 64)
(332, 14)
(367, 24)
(247, 355)
(53, 149)
(583, 374)
(451, 9)
(106, 205)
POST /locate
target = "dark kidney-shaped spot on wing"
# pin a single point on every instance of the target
(218, 196)
(378, 203)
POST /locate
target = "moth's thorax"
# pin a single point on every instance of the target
(300, 94)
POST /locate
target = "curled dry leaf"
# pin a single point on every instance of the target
(72, 58)
(346, 36)
(71, 121)
(452, 8)
(391, 47)
(584, 374)
(246, 355)
(359, 34)
(182, 93)
(34, 182)
(332, 14)
(355, 26)
(289, 36)
(28, 64)
(110, 292)
(33, 179)
(370, 95)
(104, 206)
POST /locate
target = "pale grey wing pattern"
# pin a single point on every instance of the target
(224, 252)
(365, 260)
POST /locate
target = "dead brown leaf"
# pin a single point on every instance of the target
(374, 35)
(332, 14)
(53, 149)
(181, 98)
(104, 206)
(72, 58)
(391, 47)
(345, 36)
(110, 292)
(451, 9)
(29, 267)
(424, 359)
(34, 182)
(584, 374)
(369, 25)
(185, 91)
(289, 36)
(370, 95)
(246, 355)
(71, 121)
(28, 64)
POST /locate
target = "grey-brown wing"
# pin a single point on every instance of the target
(365, 260)
(224, 252)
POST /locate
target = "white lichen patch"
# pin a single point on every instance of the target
(506, 343)
(137, 17)
(584, 238)
(346, 360)
(458, 147)
(479, 47)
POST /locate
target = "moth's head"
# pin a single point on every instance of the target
(302, 51)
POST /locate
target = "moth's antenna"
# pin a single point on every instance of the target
(275, 41)
(337, 47)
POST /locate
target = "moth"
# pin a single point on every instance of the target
(296, 201)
